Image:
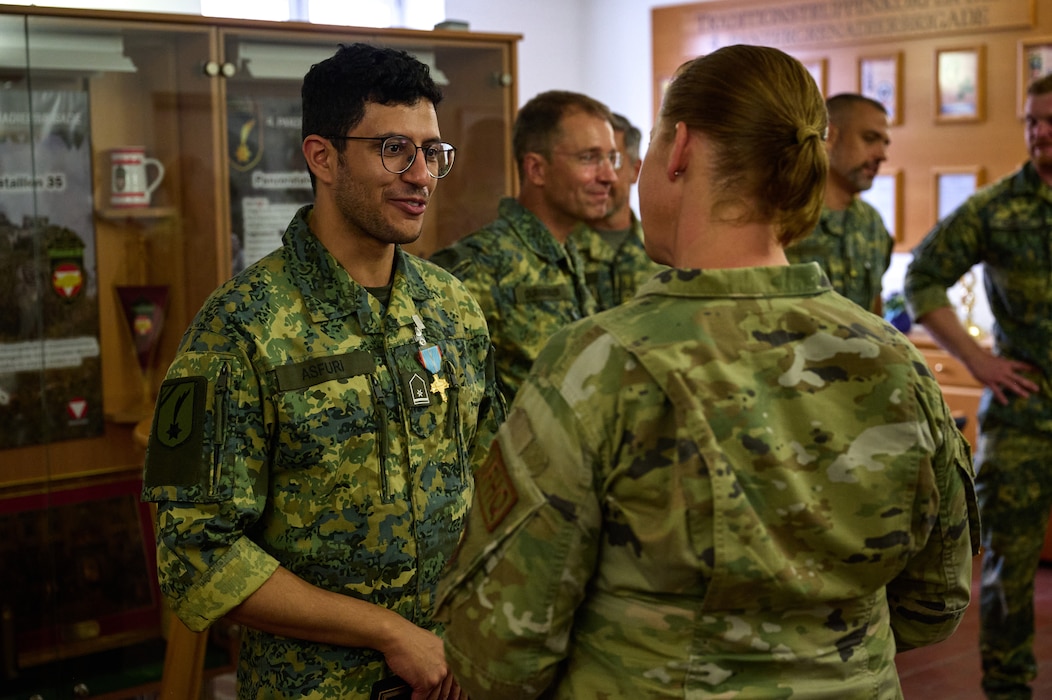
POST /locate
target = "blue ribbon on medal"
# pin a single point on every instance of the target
(431, 358)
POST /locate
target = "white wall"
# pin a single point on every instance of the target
(192, 7)
(598, 47)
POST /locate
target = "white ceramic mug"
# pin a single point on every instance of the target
(130, 186)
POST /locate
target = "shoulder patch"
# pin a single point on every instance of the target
(178, 433)
(496, 491)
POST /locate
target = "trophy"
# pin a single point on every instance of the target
(968, 301)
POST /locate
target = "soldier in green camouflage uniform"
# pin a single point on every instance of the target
(851, 242)
(737, 484)
(312, 449)
(1006, 228)
(524, 268)
(615, 261)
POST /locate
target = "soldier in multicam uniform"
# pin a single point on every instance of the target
(523, 268)
(1006, 228)
(851, 242)
(737, 484)
(615, 261)
(313, 442)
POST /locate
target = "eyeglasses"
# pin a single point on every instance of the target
(594, 158)
(398, 153)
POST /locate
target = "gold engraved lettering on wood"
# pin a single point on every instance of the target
(798, 24)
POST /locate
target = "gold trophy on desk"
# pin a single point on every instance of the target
(968, 302)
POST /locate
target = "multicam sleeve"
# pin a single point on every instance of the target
(929, 597)
(509, 596)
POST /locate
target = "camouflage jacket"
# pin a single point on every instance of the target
(528, 284)
(297, 427)
(1008, 228)
(737, 485)
(613, 276)
(853, 248)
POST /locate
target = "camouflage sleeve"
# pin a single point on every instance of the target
(205, 469)
(947, 252)
(509, 596)
(928, 598)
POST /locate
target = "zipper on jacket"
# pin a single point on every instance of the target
(220, 407)
(379, 400)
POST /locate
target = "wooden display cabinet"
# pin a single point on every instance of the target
(173, 85)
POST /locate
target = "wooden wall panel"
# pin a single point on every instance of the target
(842, 32)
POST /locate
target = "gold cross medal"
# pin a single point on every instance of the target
(430, 357)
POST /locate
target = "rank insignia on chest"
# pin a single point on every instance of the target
(416, 388)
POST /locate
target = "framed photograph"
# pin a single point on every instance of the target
(886, 197)
(880, 78)
(818, 68)
(952, 186)
(1035, 61)
(960, 92)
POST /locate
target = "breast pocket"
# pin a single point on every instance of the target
(1018, 261)
(328, 427)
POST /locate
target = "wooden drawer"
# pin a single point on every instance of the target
(964, 401)
(948, 370)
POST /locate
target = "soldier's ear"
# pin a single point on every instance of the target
(535, 169)
(321, 157)
(833, 133)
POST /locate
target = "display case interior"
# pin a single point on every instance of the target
(144, 159)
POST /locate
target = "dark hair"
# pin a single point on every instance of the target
(537, 123)
(633, 136)
(1041, 86)
(335, 91)
(766, 119)
(839, 106)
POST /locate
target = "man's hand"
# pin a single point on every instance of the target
(1002, 375)
(416, 656)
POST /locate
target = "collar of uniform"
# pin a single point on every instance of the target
(591, 243)
(832, 220)
(1027, 183)
(530, 230)
(805, 279)
(327, 289)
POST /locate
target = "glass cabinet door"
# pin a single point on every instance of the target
(144, 158)
(267, 175)
(108, 140)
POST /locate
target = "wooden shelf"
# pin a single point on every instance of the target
(137, 213)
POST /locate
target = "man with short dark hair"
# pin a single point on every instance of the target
(524, 269)
(615, 261)
(1005, 227)
(314, 440)
(851, 242)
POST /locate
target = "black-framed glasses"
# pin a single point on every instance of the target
(594, 158)
(398, 153)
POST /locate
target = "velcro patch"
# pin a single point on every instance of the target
(177, 438)
(496, 491)
(415, 387)
(315, 371)
(530, 293)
